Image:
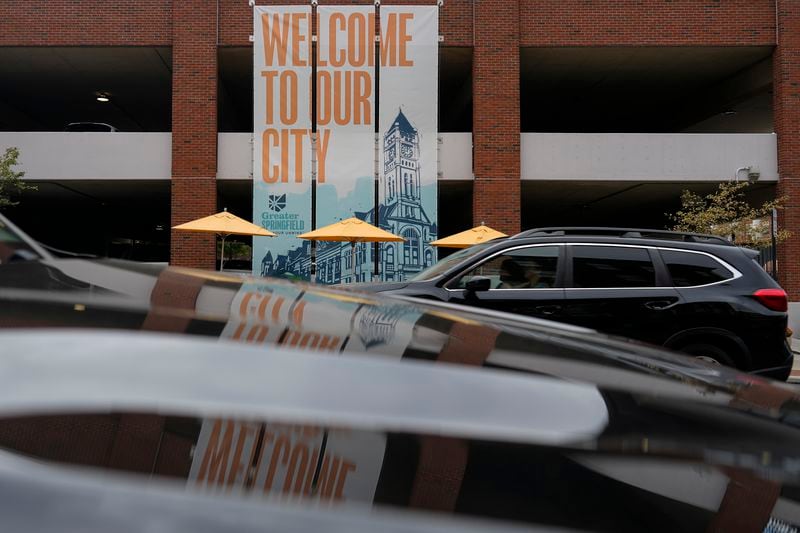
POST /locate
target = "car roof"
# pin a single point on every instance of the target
(92, 370)
(626, 233)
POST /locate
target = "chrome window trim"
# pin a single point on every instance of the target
(736, 274)
(501, 252)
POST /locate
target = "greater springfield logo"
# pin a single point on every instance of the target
(276, 202)
(276, 220)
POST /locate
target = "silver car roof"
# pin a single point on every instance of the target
(52, 371)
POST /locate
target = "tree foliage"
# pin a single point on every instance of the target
(727, 213)
(11, 181)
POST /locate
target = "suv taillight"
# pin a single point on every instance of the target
(774, 299)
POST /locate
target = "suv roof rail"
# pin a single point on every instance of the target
(631, 233)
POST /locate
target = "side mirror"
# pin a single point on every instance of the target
(478, 284)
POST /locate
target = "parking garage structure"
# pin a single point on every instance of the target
(550, 113)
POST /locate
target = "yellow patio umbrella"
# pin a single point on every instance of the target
(224, 224)
(470, 237)
(351, 230)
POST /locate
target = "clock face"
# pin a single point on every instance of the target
(391, 154)
(406, 151)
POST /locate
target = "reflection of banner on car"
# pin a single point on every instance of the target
(281, 134)
(298, 317)
(301, 461)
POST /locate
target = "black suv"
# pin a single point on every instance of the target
(699, 294)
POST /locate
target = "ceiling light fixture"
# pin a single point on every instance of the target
(103, 97)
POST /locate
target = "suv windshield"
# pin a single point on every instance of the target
(444, 265)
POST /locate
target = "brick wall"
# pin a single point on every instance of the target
(496, 127)
(70, 23)
(647, 22)
(455, 18)
(194, 129)
(786, 67)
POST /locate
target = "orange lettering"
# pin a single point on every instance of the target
(288, 88)
(362, 92)
(281, 448)
(327, 477)
(244, 308)
(269, 94)
(310, 473)
(298, 37)
(260, 330)
(356, 35)
(329, 343)
(347, 467)
(238, 333)
(336, 57)
(277, 309)
(262, 307)
(310, 340)
(274, 40)
(236, 464)
(284, 156)
(323, 97)
(405, 38)
(215, 460)
(297, 314)
(389, 41)
(323, 136)
(298, 154)
(270, 138)
(296, 471)
(341, 105)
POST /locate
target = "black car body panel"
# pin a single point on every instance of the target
(690, 296)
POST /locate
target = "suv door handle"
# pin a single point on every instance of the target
(547, 309)
(659, 305)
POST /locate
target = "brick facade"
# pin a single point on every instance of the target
(786, 68)
(63, 23)
(647, 23)
(495, 111)
(194, 129)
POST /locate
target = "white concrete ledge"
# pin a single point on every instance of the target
(85, 155)
(678, 157)
(646, 157)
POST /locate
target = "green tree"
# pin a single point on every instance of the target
(11, 181)
(726, 212)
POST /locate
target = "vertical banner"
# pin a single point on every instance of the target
(409, 72)
(282, 138)
(345, 132)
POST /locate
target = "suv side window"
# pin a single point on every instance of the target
(690, 270)
(534, 267)
(611, 266)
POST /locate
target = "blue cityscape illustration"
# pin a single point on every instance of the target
(401, 213)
